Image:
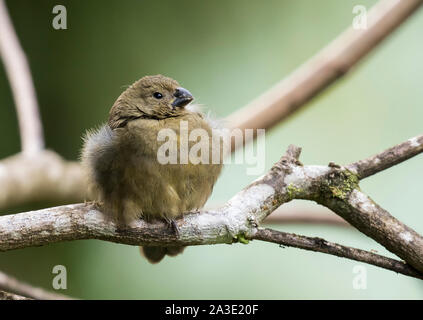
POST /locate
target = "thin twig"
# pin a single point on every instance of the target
(20, 79)
(11, 284)
(327, 66)
(321, 245)
(11, 296)
(388, 158)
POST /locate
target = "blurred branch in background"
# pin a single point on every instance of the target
(11, 296)
(20, 79)
(319, 215)
(326, 67)
(333, 186)
(44, 176)
(10, 284)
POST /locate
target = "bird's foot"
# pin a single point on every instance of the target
(173, 226)
(94, 203)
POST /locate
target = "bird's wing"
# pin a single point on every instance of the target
(98, 155)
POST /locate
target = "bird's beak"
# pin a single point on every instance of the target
(182, 98)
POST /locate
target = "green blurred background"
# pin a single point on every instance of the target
(226, 53)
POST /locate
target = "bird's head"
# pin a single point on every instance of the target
(151, 97)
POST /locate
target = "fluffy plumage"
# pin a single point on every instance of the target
(121, 163)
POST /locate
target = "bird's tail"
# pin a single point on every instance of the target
(156, 254)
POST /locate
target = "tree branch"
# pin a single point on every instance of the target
(43, 176)
(233, 221)
(388, 158)
(321, 245)
(10, 284)
(333, 186)
(326, 67)
(337, 188)
(20, 79)
(11, 296)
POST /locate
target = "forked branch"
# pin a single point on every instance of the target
(238, 220)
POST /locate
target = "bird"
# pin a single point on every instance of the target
(125, 174)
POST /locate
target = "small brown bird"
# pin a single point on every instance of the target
(121, 159)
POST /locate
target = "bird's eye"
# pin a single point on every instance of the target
(157, 95)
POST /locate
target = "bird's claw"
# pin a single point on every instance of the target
(94, 203)
(173, 226)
